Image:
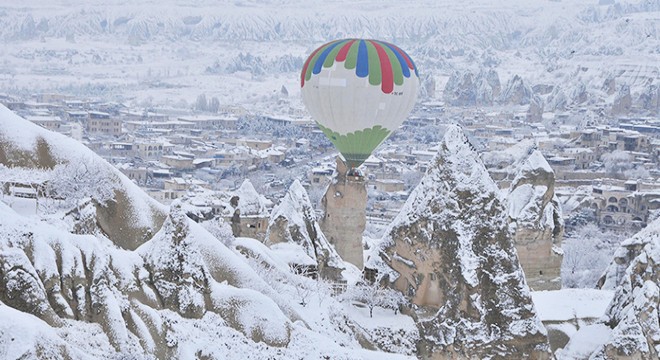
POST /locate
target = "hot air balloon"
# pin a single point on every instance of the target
(358, 91)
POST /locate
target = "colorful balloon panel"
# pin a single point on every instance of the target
(358, 91)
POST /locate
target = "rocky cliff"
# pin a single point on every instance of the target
(632, 315)
(69, 289)
(451, 252)
(464, 88)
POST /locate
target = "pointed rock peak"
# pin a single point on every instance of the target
(531, 166)
(247, 187)
(297, 193)
(451, 251)
(295, 205)
(458, 162)
(456, 182)
(176, 226)
(455, 138)
(250, 202)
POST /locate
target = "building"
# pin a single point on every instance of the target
(178, 162)
(388, 185)
(620, 205)
(52, 123)
(583, 157)
(211, 122)
(100, 123)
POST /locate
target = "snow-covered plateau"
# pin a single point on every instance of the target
(243, 52)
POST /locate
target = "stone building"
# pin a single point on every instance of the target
(621, 206)
(100, 123)
(51, 123)
(250, 213)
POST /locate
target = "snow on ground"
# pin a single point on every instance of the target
(584, 342)
(23, 206)
(568, 304)
(24, 336)
(393, 332)
(382, 318)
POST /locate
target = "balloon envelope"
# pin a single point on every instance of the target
(359, 92)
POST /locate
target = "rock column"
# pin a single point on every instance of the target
(344, 220)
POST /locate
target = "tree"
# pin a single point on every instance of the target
(219, 228)
(587, 252)
(14, 177)
(411, 178)
(214, 105)
(304, 283)
(83, 179)
(581, 217)
(201, 104)
(621, 162)
(374, 295)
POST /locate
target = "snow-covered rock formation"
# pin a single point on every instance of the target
(451, 252)
(249, 212)
(129, 219)
(536, 221)
(649, 99)
(69, 280)
(632, 315)
(464, 88)
(516, 92)
(294, 221)
(622, 101)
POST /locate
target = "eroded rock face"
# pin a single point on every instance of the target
(535, 111)
(451, 252)
(467, 89)
(649, 99)
(516, 92)
(536, 221)
(345, 205)
(623, 101)
(137, 298)
(633, 313)
(294, 221)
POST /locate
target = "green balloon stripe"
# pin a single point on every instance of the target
(357, 146)
(351, 58)
(375, 75)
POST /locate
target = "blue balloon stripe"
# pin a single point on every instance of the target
(362, 68)
(319, 62)
(413, 62)
(402, 61)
